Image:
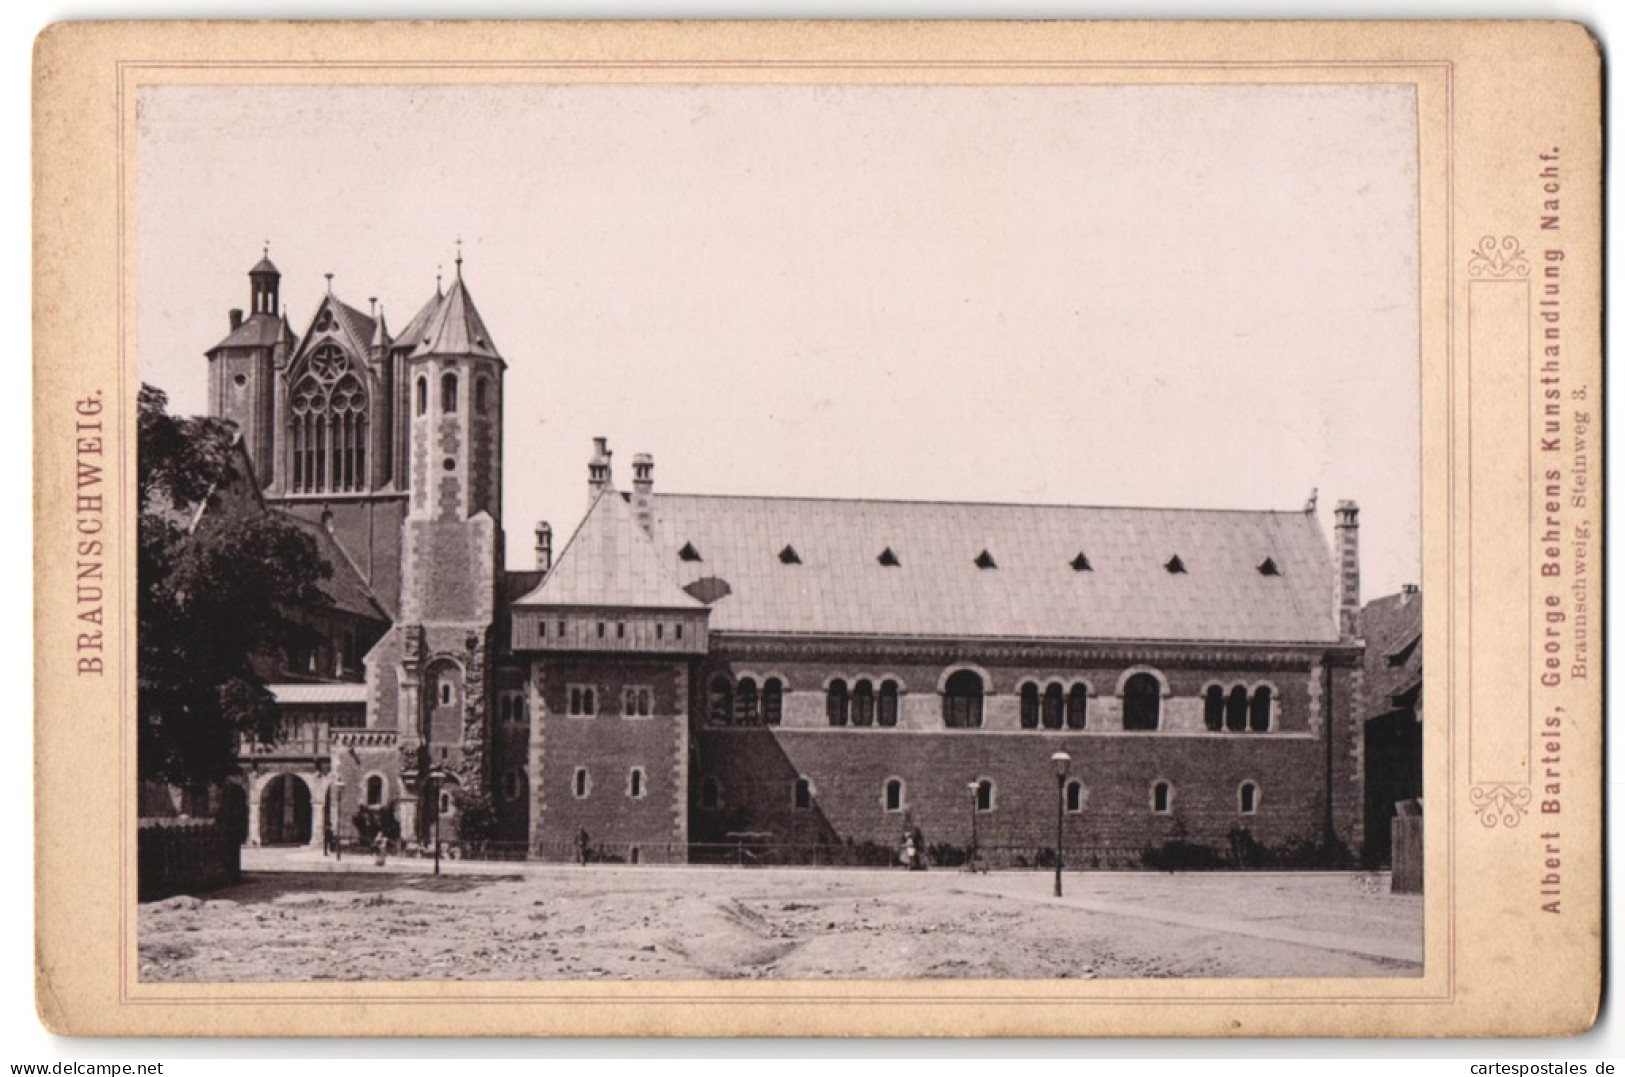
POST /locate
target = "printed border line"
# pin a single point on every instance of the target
(1448, 68)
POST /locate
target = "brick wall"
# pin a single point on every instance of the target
(608, 745)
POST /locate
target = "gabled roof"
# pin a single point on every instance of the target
(346, 587)
(257, 331)
(355, 328)
(1030, 591)
(455, 327)
(1392, 629)
(610, 562)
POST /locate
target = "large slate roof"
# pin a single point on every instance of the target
(835, 583)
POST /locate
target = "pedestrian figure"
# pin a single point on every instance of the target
(581, 847)
(909, 851)
(380, 850)
(919, 851)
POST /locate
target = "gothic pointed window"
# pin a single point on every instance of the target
(327, 425)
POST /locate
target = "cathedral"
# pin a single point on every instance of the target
(688, 678)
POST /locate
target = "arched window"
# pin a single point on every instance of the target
(1213, 708)
(1248, 798)
(984, 795)
(327, 425)
(962, 700)
(888, 703)
(1077, 707)
(1074, 796)
(894, 794)
(482, 388)
(1029, 706)
(423, 396)
(863, 704)
(1235, 710)
(835, 702)
(1142, 703)
(448, 393)
(746, 703)
(375, 791)
(722, 700)
(1259, 713)
(773, 701)
(1162, 798)
(710, 794)
(513, 785)
(634, 783)
(581, 783)
(1054, 707)
(803, 794)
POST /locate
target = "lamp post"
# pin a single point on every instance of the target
(1061, 761)
(336, 824)
(438, 776)
(975, 789)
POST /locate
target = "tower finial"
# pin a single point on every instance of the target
(437, 270)
(267, 249)
(459, 257)
(329, 277)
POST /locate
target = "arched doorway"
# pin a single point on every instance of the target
(285, 811)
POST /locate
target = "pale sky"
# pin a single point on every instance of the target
(1170, 296)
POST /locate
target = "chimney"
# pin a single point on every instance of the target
(236, 319)
(1348, 569)
(598, 469)
(544, 546)
(1408, 593)
(643, 491)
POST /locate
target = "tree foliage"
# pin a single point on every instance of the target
(214, 600)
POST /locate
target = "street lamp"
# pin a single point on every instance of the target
(438, 777)
(1061, 761)
(975, 791)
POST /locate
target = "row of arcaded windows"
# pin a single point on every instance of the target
(894, 796)
(862, 705)
(1054, 706)
(448, 395)
(1237, 711)
(743, 703)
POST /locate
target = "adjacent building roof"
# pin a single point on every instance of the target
(308, 694)
(610, 562)
(996, 570)
(413, 333)
(346, 586)
(1392, 629)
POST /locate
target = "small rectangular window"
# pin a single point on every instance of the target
(660, 631)
(620, 629)
(679, 631)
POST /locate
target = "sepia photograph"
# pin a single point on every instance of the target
(685, 532)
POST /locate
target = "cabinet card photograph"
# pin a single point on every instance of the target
(1061, 431)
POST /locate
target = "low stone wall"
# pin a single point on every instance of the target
(183, 856)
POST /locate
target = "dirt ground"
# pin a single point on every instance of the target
(566, 922)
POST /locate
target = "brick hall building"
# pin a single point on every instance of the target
(789, 677)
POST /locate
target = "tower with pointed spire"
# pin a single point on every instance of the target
(451, 554)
